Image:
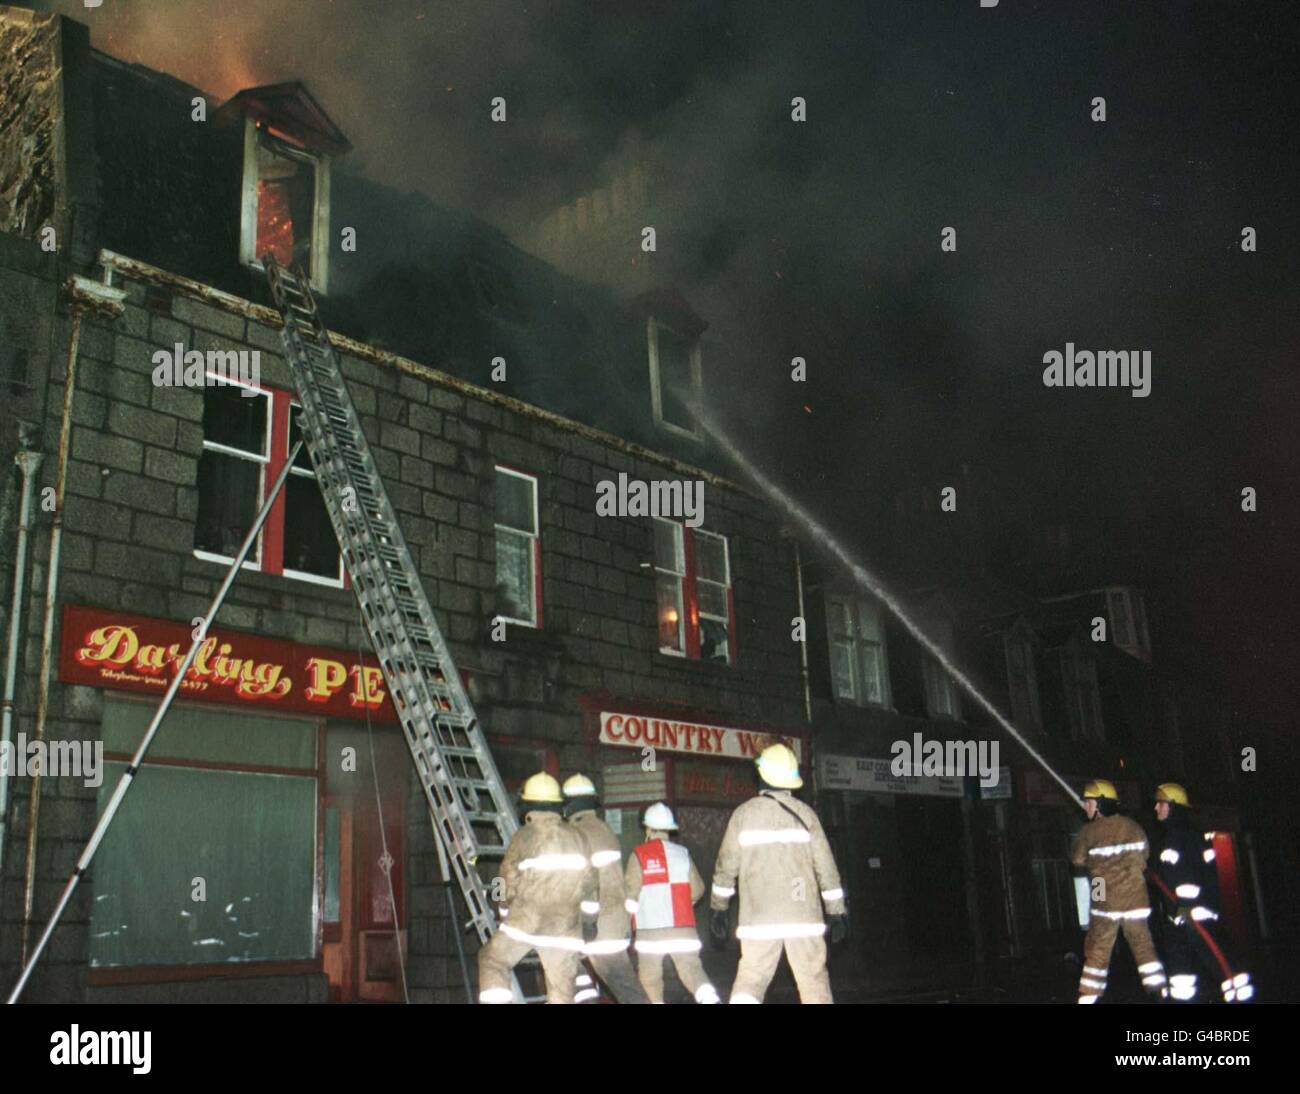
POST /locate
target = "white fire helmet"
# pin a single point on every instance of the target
(660, 818)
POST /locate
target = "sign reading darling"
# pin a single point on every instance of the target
(135, 653)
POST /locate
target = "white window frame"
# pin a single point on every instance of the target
(1134, 607)
(656, 393)
(534, 539)
(856, 608)
(679, 542)
(1021, 639)
(725, 587)
(302, 575)
(1083, 727)
(320, 228)
(940, 688)
(213, 379)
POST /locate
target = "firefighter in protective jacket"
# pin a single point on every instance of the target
(1113, 849)
(546, 881)
(1184, 862)
(607, 952)
(663, 888)
(776, 853)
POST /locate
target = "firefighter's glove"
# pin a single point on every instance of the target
(718, 927)
(839, 928)
(1182, 914)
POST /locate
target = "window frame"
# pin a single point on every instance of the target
(535, 537)
(934, 676)
(688, 594)
(854, 607)
(320, 224)
(1022, 640)
(270, 541)
(653, 326)
(1082, 728)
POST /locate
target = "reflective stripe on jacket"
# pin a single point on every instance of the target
(777, 855)
(1115, 850)
(606, 857)
(546, 875)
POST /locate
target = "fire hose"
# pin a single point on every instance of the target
(1206, 937)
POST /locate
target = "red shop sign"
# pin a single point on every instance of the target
(134, 653)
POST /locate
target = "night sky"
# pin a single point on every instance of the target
(823, 238)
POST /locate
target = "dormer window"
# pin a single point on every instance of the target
(289, 145)
(675, 378)
(673, 333)
(286, 204)
(1128, 622)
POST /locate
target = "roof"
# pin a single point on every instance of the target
(291, 108)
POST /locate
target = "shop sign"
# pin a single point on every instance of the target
(875, 776)
(674, 735)
(102, 649)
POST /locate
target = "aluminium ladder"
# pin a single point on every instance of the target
(468, 804)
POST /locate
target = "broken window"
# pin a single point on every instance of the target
(670, 577)
(310, 547)
(693, 593)
(518, 548)
(713, 594)
(285, 204)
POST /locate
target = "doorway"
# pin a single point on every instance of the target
(363, 844)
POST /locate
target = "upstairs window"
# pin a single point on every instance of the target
(519, 552)
(675, 377)
(1022, 679)
(1082, 695)
(285, 204)
(246, 441)
(941, 697)
(1128, 622)
(693, 595)
(857, 646)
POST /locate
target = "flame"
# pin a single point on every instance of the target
(274, 223)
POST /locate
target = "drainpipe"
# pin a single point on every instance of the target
(803, 646)
(99, 300)
(30, 464)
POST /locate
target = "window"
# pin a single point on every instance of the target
(941, 698)
(675, 376)
(1082, 696)
(285, 204)
(857, 645)
(693, 593)
(1128, 622)
(519, 552)
(230, 798)
(1022, 678)
(246, 441)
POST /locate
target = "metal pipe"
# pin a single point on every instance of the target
(30, 464)
(84, 296)
(47, 632)
(803, 645)
(133, 768)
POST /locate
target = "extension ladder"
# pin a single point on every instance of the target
(468, 804)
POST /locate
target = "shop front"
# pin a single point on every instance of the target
(263, 840)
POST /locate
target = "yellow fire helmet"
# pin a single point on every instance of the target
(1101, 788)
(542, 789)
(1172, 793)
(579, 786)
(779, 767)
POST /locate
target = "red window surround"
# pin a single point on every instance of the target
(691, 600)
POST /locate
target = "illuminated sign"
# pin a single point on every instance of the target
(134, 653)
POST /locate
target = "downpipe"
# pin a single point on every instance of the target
(29, 463)
(99, 300)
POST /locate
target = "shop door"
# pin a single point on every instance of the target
(364, 919)
(934, 894)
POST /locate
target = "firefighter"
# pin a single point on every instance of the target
(663, 888)
(1113, 849)
(1185, 866)
(775, 850)
(607, 952)
(547, 884)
